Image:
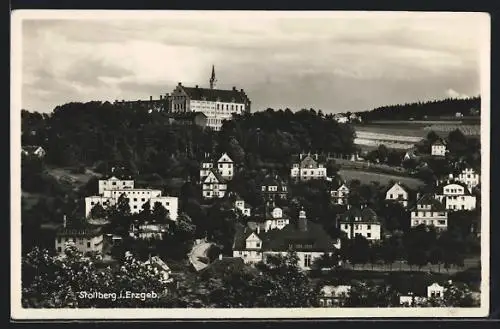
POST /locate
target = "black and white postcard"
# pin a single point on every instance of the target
(249, 164)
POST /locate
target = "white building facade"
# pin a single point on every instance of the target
(340, 195)
(457, 197)
(438, 149)
(308, 168)
(214, 186)
(429, 212)
(397, 193)
(469, 177)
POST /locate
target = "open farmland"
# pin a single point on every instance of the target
(367, 177)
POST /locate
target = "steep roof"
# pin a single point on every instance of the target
(439, 142)
(273, 181)
(279, 240)
(367, 214)
(31, 148)
(217, 175)
(403, 186)
(214, 95)
(428, 199)
(440, 188)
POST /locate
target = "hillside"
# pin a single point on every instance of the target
(443, 109)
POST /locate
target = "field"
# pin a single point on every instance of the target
(367, 177)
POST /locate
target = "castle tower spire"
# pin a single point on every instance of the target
(213, 80)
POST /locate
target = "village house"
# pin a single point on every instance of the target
(333, 296)
(398, 193)
(273, 187)
(434, 291)
(469, 177)
(360, 221)
(33, 150)
(340, 195)
(307, 167)
(214, 185)
(270, 220)
(306, 238)
(340, 118)
(86, 238)
(240, 205)
(456, 196)
(429, 211)
(224, 165)
(438, 148)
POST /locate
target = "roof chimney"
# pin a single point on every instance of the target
(196, 86)
(151, 98)
(302, 220)
(234, 88)
(160, 97)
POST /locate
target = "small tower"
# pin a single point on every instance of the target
(213, 80)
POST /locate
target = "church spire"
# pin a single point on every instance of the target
(212, 78)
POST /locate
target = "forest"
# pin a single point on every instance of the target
(420, 110)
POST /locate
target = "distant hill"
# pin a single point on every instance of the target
(425, 110)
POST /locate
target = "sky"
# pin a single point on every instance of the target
(335, 62)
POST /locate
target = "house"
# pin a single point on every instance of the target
(410, 155)
(469, 177)
(239, 204)
(149, 105)
(224, 165)
(458, 115)
(360, 221)
(430, 212)
(189, 119)
(214, 185)
(273, 187)
(340, 195)
(456, 196)
(434, 291)
(333, 296)
(270, 220)
(438, 148)
(307, 167)
(86, 238)
(148, 231)
(306, 238)
(114, 183)
(340, 118)
(158, 266)
(33, 150)
(217, 104)
(137, 197)
(398, 193)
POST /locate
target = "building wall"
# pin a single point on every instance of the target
(308, 173)
(276, 223)
(438, 219)
(340, 195)
(83, 244)
(205, 169)
(463, 202)
(214, 190)
(396, 192)
(439, 150)
(216, 112)
(226, 170)
(371, 231)
(91, 201)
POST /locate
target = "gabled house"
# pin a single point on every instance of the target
(398, 193)
(307, 239)
(114, 183)
(438, 148)
(340, 118)
(360, 221)
(224, 165)
(33, 150)
(430, 212)
(456, 196)
(214, 185)
(340, 195)
(434, 291)
(240, 204)
(307, 167)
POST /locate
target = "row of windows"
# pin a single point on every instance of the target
(115, 183)
(430, 214)
(429, 222)
(357, 226)
(273, 188)
(453, 190)
(455, 207)
(399, 196)
(456, 198)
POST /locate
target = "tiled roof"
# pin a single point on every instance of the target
(440, 189)
(213, 95)
(279, 240)
(367, 214)
(428, 199)
(218, 175)
(404, 186)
